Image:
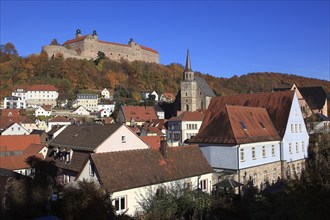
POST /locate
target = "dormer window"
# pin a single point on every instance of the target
(123, 139)
(243, 125)
(261, 124)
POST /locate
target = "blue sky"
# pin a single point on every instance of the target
(225, 38)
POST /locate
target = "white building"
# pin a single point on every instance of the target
(127, 174)
(57, 121)
(37, 95)
(110, 107)
(184, 126)
(14, 102)
(105, 94)
(81, 111)
(14, 129)
(45, 110)
(88, 101)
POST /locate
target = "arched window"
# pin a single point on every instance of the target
(254, 179)
(187, 107)
(274, 175)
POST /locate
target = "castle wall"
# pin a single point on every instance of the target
(88, 48)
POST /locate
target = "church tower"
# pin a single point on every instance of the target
(188, 88)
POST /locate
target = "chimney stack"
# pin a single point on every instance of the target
(164, 148)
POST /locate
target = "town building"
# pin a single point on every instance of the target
(14, 129)
(195, 92)
(223, 125)
(167, 97)
(88, 101)
(58, 121)
(105, 94)
(14, 102)
(136, 115)
(37, 95)
(44, 110)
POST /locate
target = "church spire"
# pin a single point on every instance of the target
(188, 65)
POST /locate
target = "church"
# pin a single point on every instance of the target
(195, 93)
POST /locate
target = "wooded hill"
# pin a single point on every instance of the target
(126, 79)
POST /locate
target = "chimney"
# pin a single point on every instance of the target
(164, 148)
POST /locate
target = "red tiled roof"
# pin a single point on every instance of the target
(74, 40)
(152, 130)
(158, 123)
(17, 142)
(123, 170)
(16, 162)
(59, 118)
(139, 113)
(278, 105)
(7, 121)
(189, 116)
(238, 125)
(169, 95)
(152, 141)
(33, 149)
(134, 129)
(47, 107)
(42, 88)
(7, 112)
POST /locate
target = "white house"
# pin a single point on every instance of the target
(150, 95)
(104, 113)
(184, 126)
(88, 101)
(72, 147)
(37, 95)
(217, 131)
(14, 129)
(14, 102)
(81, 111)
(127, 174)
(44, 110)
(105, 94)
(57, 121)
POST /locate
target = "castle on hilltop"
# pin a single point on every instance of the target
(88, 46)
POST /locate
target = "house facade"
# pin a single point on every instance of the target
(81, 111)
(268, 158)
(184, 126)
(170, 166)
(58, 121)
(88, 101)
(105, 94)
(14, 129)
(14, 102)
(136, 115)
(37, 95)
(45, 110)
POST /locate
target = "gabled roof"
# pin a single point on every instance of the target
(84, 137)
(158, 123)
(59, 118)
(26, 120)
(169, 95)
(33, 149)
(54, 129)
(238, 125)
(17, 142)
(152, 130)
(136, 168)
(152, 141)
(10, 112)
(46, 107)
(278, 105)
(189, 116)
(204, 86)
(314, 96)
(139, 113)
(16, 162)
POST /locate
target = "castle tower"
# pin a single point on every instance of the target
(78, 33)
(188, 88)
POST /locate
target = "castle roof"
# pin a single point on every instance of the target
(105, 42)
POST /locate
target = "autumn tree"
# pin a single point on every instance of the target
(7, 52)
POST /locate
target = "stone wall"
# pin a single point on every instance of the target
(88, 48)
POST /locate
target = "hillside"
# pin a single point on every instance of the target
(128, 79)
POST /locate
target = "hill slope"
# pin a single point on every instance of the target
(129, 79)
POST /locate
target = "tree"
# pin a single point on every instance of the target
(175, 202)
(85, 200)
(54, 42)
(7, 52)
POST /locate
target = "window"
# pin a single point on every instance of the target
(274, 175)
(296, 128)
(292, 128)
(242, 155)
(253, 153)
(300, 129)
(254, 179)
(303, 146)
(273, 150)
(297, 147)
(120, 204)
(243, 125)
(290, 148)
(203, 185)
(91, 169)
(123, 139)
(263, 151)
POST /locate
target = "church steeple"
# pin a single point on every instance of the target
(188, 65)
(188, 74)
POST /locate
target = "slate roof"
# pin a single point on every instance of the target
(314, 96)
(277, 104)
(83, 137)
(136, 168)
(139, 113)
(204, 86)
(238, 125)
(87, 96)
(189, 116)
